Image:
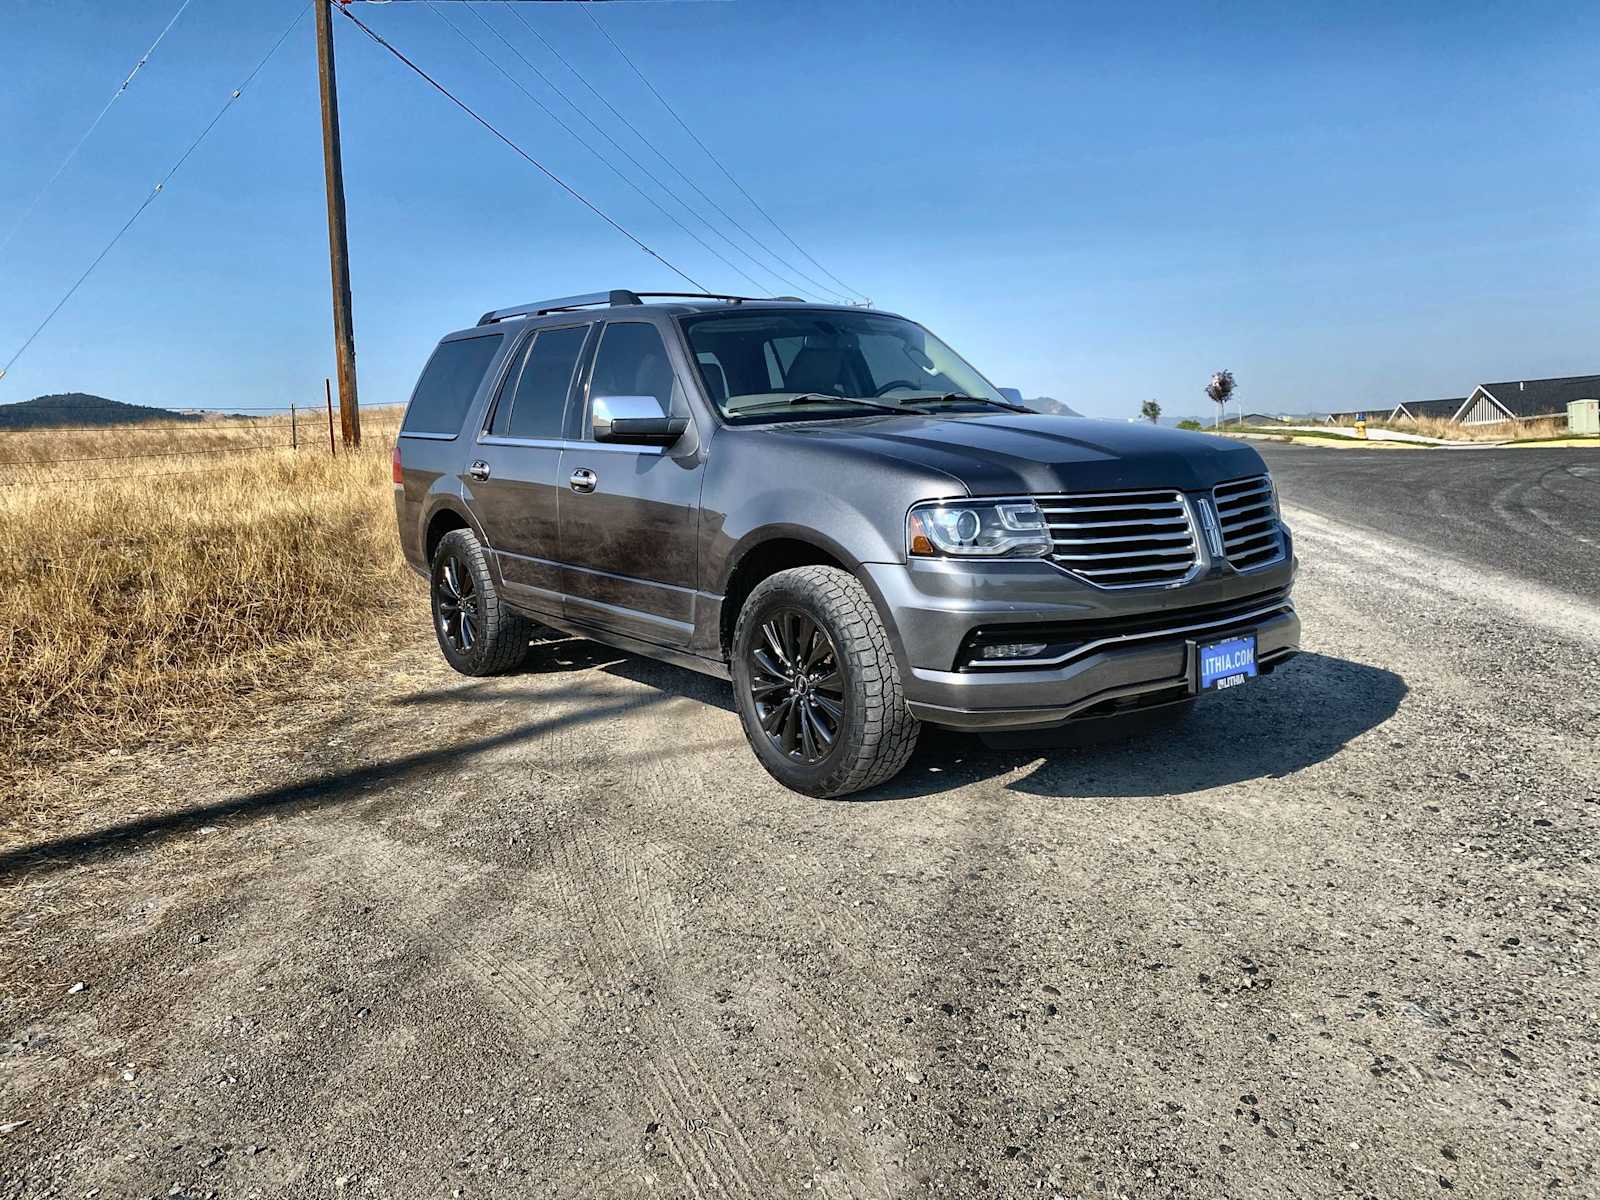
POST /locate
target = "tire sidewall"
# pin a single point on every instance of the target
(462, 545)
(817, 779)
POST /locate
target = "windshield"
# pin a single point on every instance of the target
(780, 365)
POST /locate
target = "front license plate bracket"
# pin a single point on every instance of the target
(1224, 663)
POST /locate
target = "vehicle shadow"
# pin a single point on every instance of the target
(1302, 714)
(351, 784)
(552, 654)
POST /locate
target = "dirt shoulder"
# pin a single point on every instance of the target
(559, 934)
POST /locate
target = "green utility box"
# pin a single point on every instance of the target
(1583, 417)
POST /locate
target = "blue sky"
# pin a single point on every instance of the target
(1356, 206)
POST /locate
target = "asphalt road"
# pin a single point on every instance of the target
(557, 934)
(1530, 513)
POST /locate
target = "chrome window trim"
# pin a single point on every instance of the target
(500, 439)
(1282, 606)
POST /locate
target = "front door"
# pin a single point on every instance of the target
(629, 514)
(515, 476)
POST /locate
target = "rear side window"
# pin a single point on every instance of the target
(632, 361)
(537, 407)
(448, 384)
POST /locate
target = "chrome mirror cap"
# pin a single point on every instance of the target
(609, 409)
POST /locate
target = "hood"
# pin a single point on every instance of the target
(998, 454)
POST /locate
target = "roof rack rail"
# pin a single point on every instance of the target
(720, 296)
(617, 297)
(539, 308)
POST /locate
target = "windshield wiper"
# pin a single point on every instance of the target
(825, 397)
(961, 397)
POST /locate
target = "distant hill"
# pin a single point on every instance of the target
(81, 408)
(1049, 404)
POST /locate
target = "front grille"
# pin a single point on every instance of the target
(1248, 521)
(1122, 539)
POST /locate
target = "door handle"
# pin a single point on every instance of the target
(479, 469)
(583, 480)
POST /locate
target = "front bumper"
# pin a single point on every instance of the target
(1142, 653)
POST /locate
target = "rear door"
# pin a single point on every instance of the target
(629, 514)
(514, 475)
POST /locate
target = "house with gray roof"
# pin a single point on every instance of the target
(1526, 399)
(1419, 410)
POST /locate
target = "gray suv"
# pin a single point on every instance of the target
(829, 507)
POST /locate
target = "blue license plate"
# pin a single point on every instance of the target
(1226, 664)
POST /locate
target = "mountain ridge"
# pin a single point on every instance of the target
(81, 408)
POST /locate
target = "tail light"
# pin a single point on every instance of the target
(395, 470)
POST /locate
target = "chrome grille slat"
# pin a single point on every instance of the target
(1123, 539)
(1163, 523)
(1160, 552)
(1259, 488)
(1262, 535)
(1247, 523)
(1252, 502)
(1138, 537)
(1097, 508)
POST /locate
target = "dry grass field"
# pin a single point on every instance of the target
(1552, 427)
(152, 578)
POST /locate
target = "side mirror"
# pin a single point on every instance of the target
(1012, 394)
(635, 420)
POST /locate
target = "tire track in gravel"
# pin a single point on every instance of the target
(667, 787)
(606, 956)
(540, 1014)
(1553, 518)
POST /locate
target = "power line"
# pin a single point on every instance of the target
(93, 125)
(512, 7)
(785, 281)
(548, 173)
(577, 137)
(157, 190)
(588, 10)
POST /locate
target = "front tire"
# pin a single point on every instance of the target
(478, 632)
(817, 686)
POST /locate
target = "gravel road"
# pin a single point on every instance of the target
(559, 935)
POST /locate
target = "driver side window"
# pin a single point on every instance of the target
(632, 361)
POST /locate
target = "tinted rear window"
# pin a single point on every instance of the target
(537, 408)
(448, 384)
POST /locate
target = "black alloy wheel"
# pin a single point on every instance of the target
(816, 683)
(478, 632)
(796, 686)
(460, 618)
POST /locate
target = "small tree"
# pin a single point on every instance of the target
(1150, 411)
(1219, 389)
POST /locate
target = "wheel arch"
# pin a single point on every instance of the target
(764, 552)
(444, 517)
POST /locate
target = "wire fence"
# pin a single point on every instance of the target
(134, 443)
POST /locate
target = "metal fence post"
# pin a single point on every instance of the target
(294, 431)
(327, 389)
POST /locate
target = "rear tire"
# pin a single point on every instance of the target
(478, 632)
(817, 686)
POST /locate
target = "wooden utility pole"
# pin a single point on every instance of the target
(344, 338)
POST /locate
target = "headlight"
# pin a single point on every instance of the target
(977, 529)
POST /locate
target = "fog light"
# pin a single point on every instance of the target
(1013, 650)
